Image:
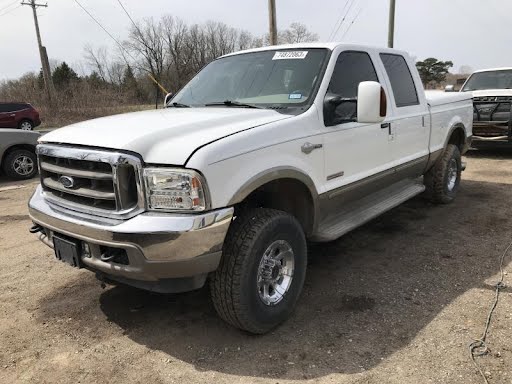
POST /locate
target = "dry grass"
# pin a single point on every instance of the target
(69, 115)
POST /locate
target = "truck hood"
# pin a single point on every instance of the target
(492, 92)
(165, 136)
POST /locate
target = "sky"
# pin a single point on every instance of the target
(475, 33)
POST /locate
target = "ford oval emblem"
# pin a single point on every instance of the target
(67, 182)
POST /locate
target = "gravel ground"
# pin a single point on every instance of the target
(396, 301)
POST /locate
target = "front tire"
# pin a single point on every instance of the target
(262, 270)
(443, 179)
(20, 164)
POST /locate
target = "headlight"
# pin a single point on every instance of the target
(175, 190)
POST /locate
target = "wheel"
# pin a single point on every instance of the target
(262, 270)
(443, 179)
(20, 164)
(26, 125)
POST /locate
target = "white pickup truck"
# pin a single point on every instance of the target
(492, 99)
(260, 152)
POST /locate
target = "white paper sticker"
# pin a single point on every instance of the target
(290, 55)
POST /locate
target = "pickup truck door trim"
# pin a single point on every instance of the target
(332, 200)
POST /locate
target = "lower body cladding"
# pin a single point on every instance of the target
(159, 252)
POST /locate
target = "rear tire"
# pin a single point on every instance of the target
(262, 270)
(20, 164)
(443, 179)
(26, 125)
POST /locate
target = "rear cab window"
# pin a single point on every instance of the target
(400, 77)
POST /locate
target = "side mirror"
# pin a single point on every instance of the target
(371, 103)
(449, 88)
(167, 98)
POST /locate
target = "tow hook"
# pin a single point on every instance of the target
(35, 228)
(463, 166)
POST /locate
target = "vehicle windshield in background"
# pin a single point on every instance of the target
(489, 80)
(262, 79)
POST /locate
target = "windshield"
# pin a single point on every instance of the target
(278, 78)
(489, 80)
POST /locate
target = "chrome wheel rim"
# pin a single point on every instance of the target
(275, 272)
(26, 126)
(23, 165)
(452, 174)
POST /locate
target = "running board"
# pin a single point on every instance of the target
(367, 209)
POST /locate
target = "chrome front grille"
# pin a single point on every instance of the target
(91, 181)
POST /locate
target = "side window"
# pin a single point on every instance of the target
(401, 80)
(6, 107)
(352, 67)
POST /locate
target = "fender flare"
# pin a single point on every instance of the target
(272, 174)
(453, 128)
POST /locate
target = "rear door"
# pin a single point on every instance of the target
(7, 115)
(410, 124)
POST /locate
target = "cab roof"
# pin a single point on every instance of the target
(494, 69)
(328, 45)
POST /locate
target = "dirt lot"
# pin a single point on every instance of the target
(397, 301)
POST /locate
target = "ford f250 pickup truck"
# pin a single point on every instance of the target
(492, 100)
(262, 151)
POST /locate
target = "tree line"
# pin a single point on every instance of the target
(166, 49)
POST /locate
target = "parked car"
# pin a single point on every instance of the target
(492, 100)
(260, 152)
(18, 153)
(19, 115)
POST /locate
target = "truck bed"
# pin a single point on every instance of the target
(445, 110)
(436, 98)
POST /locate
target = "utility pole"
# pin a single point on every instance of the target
(272, 22)
(50, 91)
(391, 30)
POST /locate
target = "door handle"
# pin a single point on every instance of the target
(307, 148)
(13, 115)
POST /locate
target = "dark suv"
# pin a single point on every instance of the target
(18, 115)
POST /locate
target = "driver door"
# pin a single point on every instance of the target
(358, 157)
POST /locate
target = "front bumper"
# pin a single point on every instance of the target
(159, 247)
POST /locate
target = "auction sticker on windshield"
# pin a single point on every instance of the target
(288, 55)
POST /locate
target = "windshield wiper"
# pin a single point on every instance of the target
(230, 103)
(180, 105)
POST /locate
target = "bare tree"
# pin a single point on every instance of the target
(147, 45)
(297, 33)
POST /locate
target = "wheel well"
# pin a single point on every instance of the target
(27, 147)
(25, 119)
(288, 195)
(458, 137)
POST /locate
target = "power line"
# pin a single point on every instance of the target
(128, 14)
(7, 12)
(353, 20)
(117, 42)
(8, 5)
(100, 25)
(338, 20)
(344, 17)
(140, 33)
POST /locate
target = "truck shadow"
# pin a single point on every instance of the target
(367, 295)
(490, 153)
